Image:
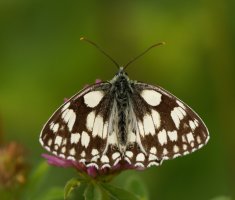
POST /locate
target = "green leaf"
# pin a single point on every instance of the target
(136, 185)
(116, 193)
(55, 193)
(70, 186)
(92, 192)
(35, 180)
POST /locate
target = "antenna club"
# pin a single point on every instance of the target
(82, 38)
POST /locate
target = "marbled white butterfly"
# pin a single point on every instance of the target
(123, 120)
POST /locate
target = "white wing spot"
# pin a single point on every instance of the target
(116, 161)
(153, 150)
(140, 157)
(64, 113)
(140, 165)
(156, 118)
(69, 117)
(65, 107)
(153, 164)
(131, 137)
(85, 139)
(176, 155)
(152, 157)
(49, 142)
(183, 138)
(129, 154)
(127, 159)
(104, 159)
(172, 135)
(185, 146)
(199, 139)
(92, 99)
(71, 158)
(190, 137)
(201, 145)
(105, 130)
(83, 160)
(98, 126)
(93, 165)
(90, 120)
(175, 118)
(83, 154)
(94, 152)
(112, 139)
(71, 120)
(64, 142)
(162, 137)
(63, 149)
(51, 125)
(192, 144)
(176, 149)
(192, 125)
(141, 128)
(95, 158)
(152, 97)
(182, 111)
(196, 122)
(180, 104)
(138, 141)
(115, 155)
(74, 138)
(55, 128)
(62, 155)
(165, 152)
(105, 165)
(177, 114)
(148, 125)
(72, 151)
(58, 140)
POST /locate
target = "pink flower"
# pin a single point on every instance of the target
(91, 171)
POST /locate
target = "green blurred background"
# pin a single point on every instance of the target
(42, 61)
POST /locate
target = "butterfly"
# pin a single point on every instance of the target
(123, 120)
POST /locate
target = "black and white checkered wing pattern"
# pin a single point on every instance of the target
(164, 127)
(78, 130)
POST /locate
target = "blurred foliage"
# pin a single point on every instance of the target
(42, 62)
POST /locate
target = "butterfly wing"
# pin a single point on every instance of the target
(165, 127)
(160, 127)
(78, 130)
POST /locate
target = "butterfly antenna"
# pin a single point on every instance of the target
(137, 57)
(101, 50)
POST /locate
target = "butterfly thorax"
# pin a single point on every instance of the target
(122, 90)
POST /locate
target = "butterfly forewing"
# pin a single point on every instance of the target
(166, 127)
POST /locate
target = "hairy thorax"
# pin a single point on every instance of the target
(122, 92)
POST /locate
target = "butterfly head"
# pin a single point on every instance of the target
(120, 75)
(121, 72)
